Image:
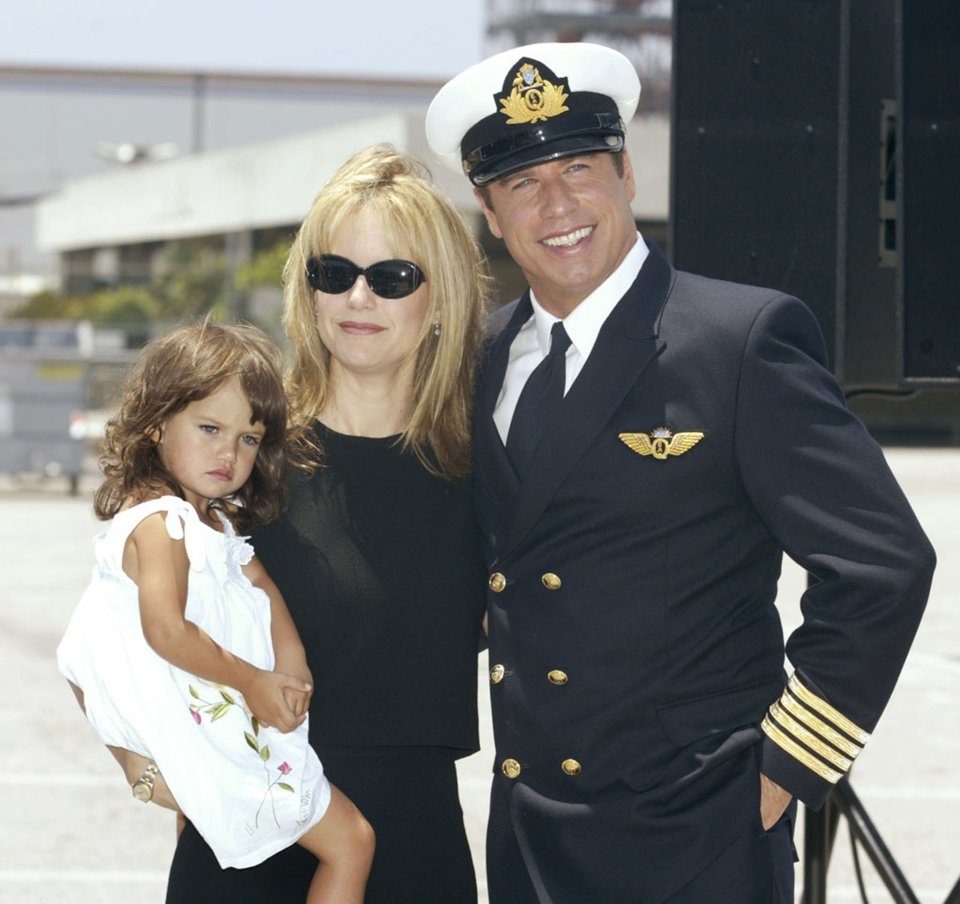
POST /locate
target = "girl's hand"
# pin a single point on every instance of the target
(265, 695)
(298, 701)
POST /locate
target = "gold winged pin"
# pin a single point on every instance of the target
(661, 443)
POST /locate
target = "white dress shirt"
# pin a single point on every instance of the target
(532, 342)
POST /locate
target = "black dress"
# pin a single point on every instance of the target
(379, 563)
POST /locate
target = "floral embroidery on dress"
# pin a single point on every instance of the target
(217, 709)
(284, 769)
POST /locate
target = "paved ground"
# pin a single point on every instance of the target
(71, 833)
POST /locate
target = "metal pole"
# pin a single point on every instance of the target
(198, 136)
(954, 896)
(819, 830)
(866, 833)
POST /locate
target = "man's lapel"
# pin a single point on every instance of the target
(496, 481)
(627, 343)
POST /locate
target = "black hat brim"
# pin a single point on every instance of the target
(490, 152)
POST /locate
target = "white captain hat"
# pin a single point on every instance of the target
(532, 104)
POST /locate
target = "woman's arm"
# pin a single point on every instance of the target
(134, 765)
(288, 649)
(161, 572)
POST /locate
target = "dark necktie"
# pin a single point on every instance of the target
(539, 402)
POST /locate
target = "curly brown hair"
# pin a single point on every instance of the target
(179, 367)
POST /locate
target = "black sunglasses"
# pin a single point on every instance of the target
(333, 274)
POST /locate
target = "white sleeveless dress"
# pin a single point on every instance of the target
(249, 790)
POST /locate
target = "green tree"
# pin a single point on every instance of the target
(49, 305)
(126, 305)
(266, 268)
(190, 282)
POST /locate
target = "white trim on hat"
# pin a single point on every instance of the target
(469, 97)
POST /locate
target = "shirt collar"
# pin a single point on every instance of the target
(583, 324)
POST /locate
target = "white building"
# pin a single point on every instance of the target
(106, 229)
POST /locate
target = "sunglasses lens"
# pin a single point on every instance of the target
(333, 275)
(394, 279)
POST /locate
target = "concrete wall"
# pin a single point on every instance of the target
(272, 184)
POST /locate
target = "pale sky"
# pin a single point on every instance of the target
(430, 38)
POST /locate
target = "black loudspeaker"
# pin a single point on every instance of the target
(791, 168)
(756, 138)
(929, 33)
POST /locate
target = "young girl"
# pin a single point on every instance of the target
(182, 646)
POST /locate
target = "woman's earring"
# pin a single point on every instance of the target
(436, 328)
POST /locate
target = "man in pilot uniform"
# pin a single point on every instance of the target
(677, 435)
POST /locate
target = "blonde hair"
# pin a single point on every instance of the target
(179, 367)
(416, 217)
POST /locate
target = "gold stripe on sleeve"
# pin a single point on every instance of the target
(793, 727)
(798, 753)
(802, 714)
(826, 710)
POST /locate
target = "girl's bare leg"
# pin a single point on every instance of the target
(343, 842)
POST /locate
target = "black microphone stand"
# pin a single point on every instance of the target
(819, 834)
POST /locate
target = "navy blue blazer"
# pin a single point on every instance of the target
(637, 657)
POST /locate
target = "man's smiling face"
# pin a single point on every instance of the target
(567, 223)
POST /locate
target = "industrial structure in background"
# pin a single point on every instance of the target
(812, 166)
(139, 171)
(640, 29)
(56, 385)
(101, 122)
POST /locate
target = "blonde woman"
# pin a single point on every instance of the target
(378, 553)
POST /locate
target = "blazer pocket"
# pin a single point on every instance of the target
(687, 721)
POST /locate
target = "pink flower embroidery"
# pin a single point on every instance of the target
(284, 769)
(217, 709)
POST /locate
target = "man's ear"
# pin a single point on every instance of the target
(482, 195)
(628, 181)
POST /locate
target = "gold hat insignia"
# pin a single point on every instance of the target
(532, 98)
(661, 443)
